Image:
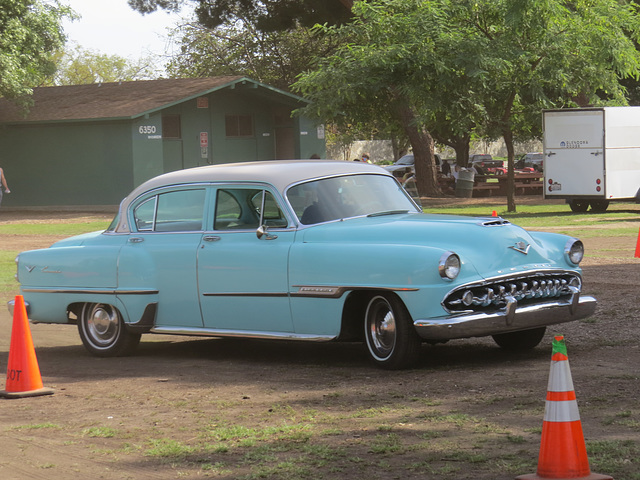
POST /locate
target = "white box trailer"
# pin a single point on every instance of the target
(592, 156)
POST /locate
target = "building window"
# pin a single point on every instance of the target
(171, 126)
(239, 125)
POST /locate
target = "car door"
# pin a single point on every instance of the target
(161, 252)
(242, 276)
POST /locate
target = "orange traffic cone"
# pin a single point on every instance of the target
(563, 454)
(494, 213)
(637, 255)
(23, 373)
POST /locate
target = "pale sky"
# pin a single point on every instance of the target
(113, 28)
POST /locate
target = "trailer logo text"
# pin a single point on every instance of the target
(573, 143)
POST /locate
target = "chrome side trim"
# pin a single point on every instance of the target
(510, 319)
(90, 291)
(312, 291)
(212, 332)
(322, 291)
(245, 294)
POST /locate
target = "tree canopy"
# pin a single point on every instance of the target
(267, 15)
(30, 33)
(79, 66)
(452, 66)
(274, 58)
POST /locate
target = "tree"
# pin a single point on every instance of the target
(398, 63)
(274, 58)
(548, 53)
(447, 67)
(79, 66)
(269, 15)
(30, 33)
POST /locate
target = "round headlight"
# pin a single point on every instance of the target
(449, 266)
(574, 250)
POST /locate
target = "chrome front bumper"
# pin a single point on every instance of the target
(510, 319)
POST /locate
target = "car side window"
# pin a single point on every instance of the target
(177, 211)
(144, 215)
(240, 209)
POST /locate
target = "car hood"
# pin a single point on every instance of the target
(491, 245)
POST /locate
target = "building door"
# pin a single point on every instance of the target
(285, 144)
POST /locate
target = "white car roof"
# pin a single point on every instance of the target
(279, 173)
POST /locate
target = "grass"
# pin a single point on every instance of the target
(306, 449)
(8, 283)
(551, 215)
(63, 229)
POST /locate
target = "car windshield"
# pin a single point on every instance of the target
(348, 196)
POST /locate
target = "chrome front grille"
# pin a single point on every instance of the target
(525, 290)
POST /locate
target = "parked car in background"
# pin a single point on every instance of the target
(534, 161)
(406, 165)
(302, 250)
(487, 164)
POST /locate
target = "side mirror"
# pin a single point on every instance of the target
(263, 231)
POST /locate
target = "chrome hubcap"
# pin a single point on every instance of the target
(382, 327)
(103, 325)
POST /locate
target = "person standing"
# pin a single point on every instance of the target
(3, 185)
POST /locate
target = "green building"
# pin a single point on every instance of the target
(92, 144)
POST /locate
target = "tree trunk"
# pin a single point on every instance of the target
(511, 198)
(461, 147)
(459, 144)
(423, 151)
(507, 134)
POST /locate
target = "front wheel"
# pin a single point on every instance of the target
(522, 340)
(391, 339)
(103, 331)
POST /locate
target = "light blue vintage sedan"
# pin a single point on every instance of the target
(302, 250)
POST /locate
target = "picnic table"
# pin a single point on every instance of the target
(526, 183)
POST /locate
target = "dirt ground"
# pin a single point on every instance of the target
(187, 407)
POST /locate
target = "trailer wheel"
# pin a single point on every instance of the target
(579, 206)
(599, 206)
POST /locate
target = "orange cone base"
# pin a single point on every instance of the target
(593, 476)
(31, 393)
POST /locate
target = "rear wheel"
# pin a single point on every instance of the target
(391, 339)
(103, 331)
(579, 206)
(522, 340)
(599, 206)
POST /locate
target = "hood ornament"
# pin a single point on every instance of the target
(521, 247)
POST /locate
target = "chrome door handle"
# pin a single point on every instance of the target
(211, 238)
(136, 240)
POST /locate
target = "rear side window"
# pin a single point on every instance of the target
(177, 211)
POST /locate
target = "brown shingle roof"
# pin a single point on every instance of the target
(113, 100)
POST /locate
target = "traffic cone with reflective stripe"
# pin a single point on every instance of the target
(563, 453)
(23, 373)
